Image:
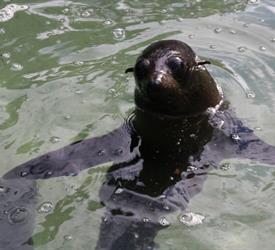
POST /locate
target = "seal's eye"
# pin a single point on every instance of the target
(176, 65)
(142, 68)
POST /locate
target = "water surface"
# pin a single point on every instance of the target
(62, 79)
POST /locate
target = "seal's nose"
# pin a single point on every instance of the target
(153, 87)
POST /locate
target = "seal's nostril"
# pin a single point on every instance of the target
(153, 87)
(156, 83)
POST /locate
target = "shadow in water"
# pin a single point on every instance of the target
(149, 179)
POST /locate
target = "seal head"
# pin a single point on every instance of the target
(171, 80)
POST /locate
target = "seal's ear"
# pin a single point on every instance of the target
(202, 62)
(129, 70)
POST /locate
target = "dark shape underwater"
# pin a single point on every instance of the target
(180, 120)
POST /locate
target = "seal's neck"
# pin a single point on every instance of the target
(166, 145)
(203, 91)
(170, 137)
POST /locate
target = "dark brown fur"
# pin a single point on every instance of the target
(190, 91)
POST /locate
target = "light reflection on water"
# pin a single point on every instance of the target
(62, 79)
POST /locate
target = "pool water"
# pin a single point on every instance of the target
(62, 80)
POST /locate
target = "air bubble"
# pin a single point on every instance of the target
(68, 237)
(78, 91)
(261, 20)
(86, 13)
(118, 151)
(24, 173)
(262, 48)
(6, 55)
(45, 207)
(145, 220)
(258, 129)
(17, 215)
(191, 219)
(164, 222)
(273, 40)
(48, 173)
(119, 191)
(242, 49)
(136, 235)
(225, 166)
(78, 63)
(119, 34)
(166, 207)
(191, 168)
(79, 199)
(218, 30)
(193, 136)
(67, 117)
(235, 137)
(71, 174)
(55, 139)
(108, 22)
(164, 11)
(112, 91)
(101, 152)
(250, 95)
(186, 218)
(16, 67)
(62, 20)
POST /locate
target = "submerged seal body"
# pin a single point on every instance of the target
(180, 120)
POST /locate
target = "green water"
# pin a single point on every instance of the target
(62, 79)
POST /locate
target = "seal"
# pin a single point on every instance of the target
(171, 80)
(181, 128)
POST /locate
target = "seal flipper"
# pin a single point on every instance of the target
(113, 147)
(237, 142)
(246, 145)
(234, 140)
(121, 232)
(253, 148)
(19, 188)
(18, 207)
